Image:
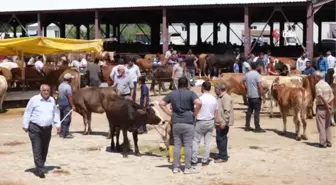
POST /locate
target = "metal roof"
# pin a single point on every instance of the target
(42, 5)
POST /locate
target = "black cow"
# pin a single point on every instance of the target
(222, 62)
(127, 115)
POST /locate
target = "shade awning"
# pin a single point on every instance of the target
(45, 45)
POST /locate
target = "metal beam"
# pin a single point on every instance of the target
(164, 30)
(247, 39)
(39, 24)
(262, 31)
(97, 25)
(143, 32)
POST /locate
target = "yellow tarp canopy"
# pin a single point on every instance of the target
(45, 45)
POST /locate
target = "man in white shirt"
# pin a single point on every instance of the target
(301, 62)
(134, 74)
(205, 124)
(39, 64)
(168, 53)
(331, 64)
(40, 113)
(114, 71)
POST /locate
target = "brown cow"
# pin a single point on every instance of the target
(161, 74)
(308, 84)
(92, 99)
(145, 65)
(127, 115)
(285, 60)
(106, 71)
(291, 99)
(202, 64)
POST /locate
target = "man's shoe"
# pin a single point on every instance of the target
(176, 170)
(259, 130)
(322, 146)
(329, 145)
(190, 171)
(40, 174)
(247, 129)
(206, 163)
(69, 136)
(220, 161)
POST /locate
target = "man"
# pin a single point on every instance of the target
(271, 68)
(183, 101)
(168, 53)
(66, 105)
(114, 71)
(236, 67)
(204, 124)
(134, 74)
(324, 101)
(225, 120)
(191, 63)
(260, 61)
(309, 69)
(322, 65)
(123, 83)
(177, 73)
(301, 62)
(94, 73)
(252, 81)
(331, 64)
(246, 66)
(39, 64)
(38, 117)
(83, 65)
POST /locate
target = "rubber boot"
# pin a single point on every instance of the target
(171, 154)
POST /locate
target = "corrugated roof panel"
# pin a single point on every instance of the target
(40, 5)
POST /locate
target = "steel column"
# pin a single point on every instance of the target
(310, 31)
(88, 32)
(271, 33)
(39, 25)
(97, 25)
(62, 30)
(215, 33)
(114, 30)
(107, 31)
(14, 31)
(187, 41)
(227, 25)
(199, 33)
(319, 37)
(78, 31)
(165, 39)
(282, 27)
(45, 30)
(247, 39)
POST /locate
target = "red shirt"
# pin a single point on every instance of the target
(270, 67)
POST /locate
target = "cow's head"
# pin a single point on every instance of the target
(152, 118)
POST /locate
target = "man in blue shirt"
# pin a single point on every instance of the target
(38, 117)
(66, 105)
(236, 67)
(144, 100)
(322, 65)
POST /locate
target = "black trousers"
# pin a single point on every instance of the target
(254, 105)
(329, 76)
(40, 139)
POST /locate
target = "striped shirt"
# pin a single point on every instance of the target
(323, 88)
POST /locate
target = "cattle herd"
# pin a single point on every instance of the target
(293, 93)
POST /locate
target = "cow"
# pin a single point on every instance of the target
(161, 74)
(223, 61)
(92, 99)
(291, 99)
(128, 116)
(145, 65)
(202, 64)
(3, 90)
(55, 77)
(106, 71)
(308, 83)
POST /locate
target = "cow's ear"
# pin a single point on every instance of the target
(140, 111)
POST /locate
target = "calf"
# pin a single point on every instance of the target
(161, 74)
(291, 99)
(128, 116)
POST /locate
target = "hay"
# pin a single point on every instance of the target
(61, 172)
(13, 143)
(6, 73)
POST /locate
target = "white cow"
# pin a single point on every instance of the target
(8, 64)
(3, 90)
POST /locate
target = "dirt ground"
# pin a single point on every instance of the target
(255, 158)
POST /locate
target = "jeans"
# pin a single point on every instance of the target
(202, 129)
(191, 70)
(222, 140)
(183, 134)
(254, 104)
(65, 125)
(94, 83)
(40, 139)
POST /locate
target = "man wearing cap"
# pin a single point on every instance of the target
(66, 105)
(331, 64)
(123, 83)
(324, 100)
